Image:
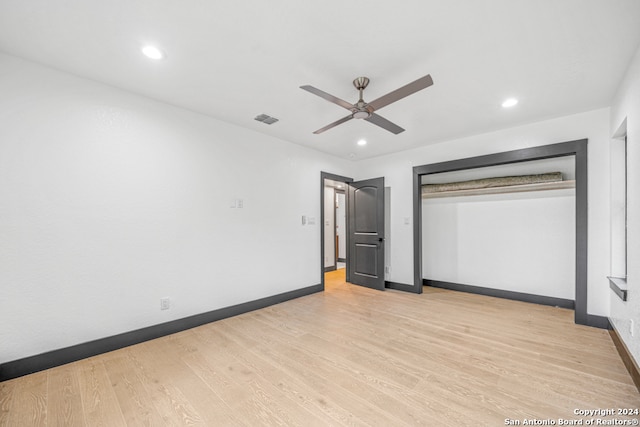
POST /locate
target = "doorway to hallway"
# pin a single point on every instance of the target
(335, 225)
(353, 229)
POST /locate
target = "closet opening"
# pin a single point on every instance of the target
(506, 230)
(575, 150)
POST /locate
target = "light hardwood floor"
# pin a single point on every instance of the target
(348, 356)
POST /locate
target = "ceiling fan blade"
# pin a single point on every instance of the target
(406, 90)
(327, 96)
(384, 123)
(334, 124)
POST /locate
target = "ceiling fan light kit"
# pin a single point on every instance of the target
(361, 114)
(366, 111)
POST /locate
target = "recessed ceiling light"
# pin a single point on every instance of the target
(362, 142)
(509, 102)
(152, 52)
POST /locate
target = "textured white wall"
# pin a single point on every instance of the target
(110, 201)
(626, 105)
(397, 170)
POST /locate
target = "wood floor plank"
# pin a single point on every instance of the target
(313, 388)
(281, 377)
(349, 356)
(99, 401)
(64, 403)
(160, 377)
(365, 380)
(331, 390)
(387, 357)
(242, 366)
(135, 403)
(29, 407)
(7, 390)
(169, 357)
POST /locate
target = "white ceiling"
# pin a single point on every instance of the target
(234, 60)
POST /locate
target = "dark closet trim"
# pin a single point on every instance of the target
(577, 148)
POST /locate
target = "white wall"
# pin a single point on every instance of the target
(626, 105)
(618, 204)
(110, 201)
(397, 170)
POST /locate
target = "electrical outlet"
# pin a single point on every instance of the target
(165, 303)
(387, 269)
(631, 326)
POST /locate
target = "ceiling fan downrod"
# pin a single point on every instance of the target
(361, 111)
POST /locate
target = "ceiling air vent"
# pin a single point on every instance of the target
(266, 119)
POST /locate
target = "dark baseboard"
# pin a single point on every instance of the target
(402, 287)
(328, 269)
(601, 322)
(342, 260)
(627, 358)
(499, 293)
(40, 362)
(592, 319)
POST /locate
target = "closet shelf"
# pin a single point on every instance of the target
(542, 186)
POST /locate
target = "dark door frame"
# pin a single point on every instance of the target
(334, 177)
(577, 148)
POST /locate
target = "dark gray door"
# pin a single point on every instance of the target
(366, 233)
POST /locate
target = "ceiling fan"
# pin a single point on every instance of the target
(366, 111)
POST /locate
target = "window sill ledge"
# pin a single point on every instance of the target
(619, 286)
